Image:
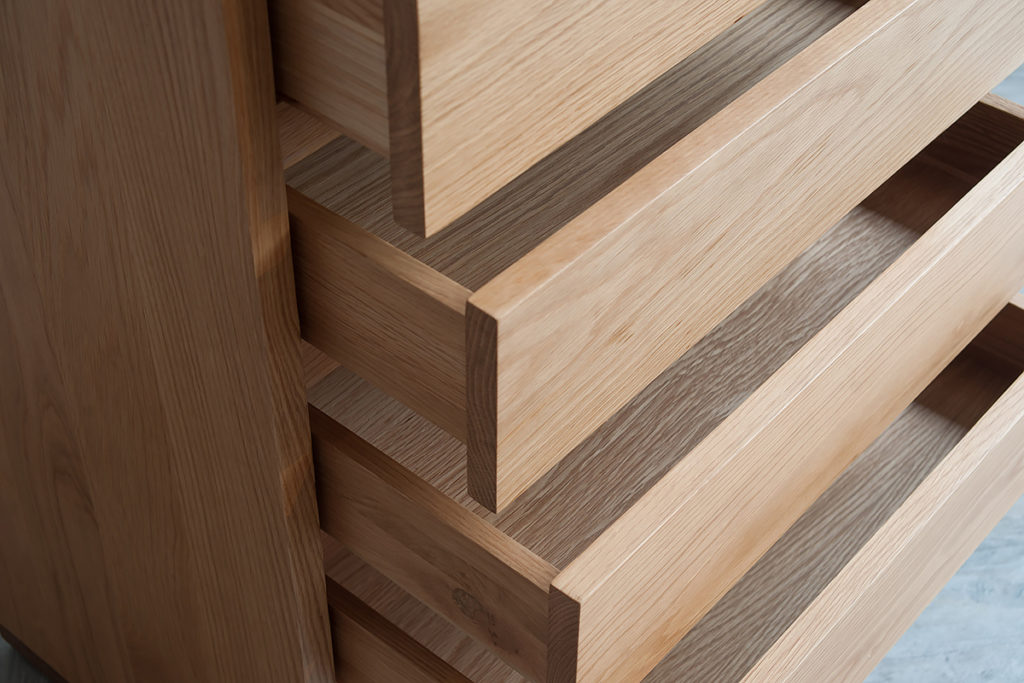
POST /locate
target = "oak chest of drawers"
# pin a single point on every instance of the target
(641, 341)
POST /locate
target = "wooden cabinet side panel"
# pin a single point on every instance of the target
(156, 486)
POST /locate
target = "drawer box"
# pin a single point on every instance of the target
(527, 326)
(370, 649)
(692, 482)
(463, 96)
(837, 590)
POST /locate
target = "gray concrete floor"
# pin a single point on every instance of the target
(972, 631)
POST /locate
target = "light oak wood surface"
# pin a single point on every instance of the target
(464, 97)
(582, 323)
(777, 457)
(352, 182)
(609, 471)
(153, 433)
(460, 565)
(896, 574)
(709, 382)
(779, 589)
(394, 320)
(329, 55)
(589, 308)
(491, 90)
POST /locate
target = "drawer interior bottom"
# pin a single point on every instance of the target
(730, 639)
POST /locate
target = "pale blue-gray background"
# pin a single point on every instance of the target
(973, 631)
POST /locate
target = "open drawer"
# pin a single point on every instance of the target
(836, 591)
(464, 95)
(624, 546)
(527, 325)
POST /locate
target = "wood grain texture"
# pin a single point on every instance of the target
(352, 182)
(476, 576)
(154, 437)
(613, 468)
(896, 574)
(478, 95)
(381, 313)
(315, 365)
(245, 29)
(440, 636)
(370, 649)
(329, 55)
(598, 310)
(743, 626)
(610, 470)
(686, 549)
(300, 134)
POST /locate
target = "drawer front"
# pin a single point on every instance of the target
(566, 336)
(618, 607)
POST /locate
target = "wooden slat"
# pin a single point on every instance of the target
(609, 471)
(596, 312)
(370, 649)
(612, 468)
(159, 518)
(896, 574)
(329, 55)
(381, 313)
(442, 553)
(659, 568)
